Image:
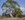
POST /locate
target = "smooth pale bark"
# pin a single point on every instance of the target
(10, 14)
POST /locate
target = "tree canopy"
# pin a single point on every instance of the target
(12, 4)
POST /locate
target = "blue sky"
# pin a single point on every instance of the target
(20, 2)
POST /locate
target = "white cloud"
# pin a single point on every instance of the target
(0, 9)
(22, 8)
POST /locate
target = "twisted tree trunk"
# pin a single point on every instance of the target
(10, 14)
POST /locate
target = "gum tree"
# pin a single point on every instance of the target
(11, 4)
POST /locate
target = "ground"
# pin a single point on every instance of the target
(14, 18)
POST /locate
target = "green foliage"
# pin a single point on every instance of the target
(3, 14)
(11, 3)
(23, 15)
(16, 11)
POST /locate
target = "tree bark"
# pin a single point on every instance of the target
(10, 14)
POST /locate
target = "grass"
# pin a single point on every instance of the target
(12, 19)
(7, 19)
